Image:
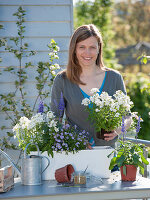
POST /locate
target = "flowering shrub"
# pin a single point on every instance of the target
(105, 111)
(49, 134)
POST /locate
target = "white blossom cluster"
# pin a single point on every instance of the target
(54, 55)
(54, 67)
(115, 103)
(30, 124)
(122, 99)
(23, 124)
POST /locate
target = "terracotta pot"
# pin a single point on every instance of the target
(63, 175)
(100, 134)
(130, 173)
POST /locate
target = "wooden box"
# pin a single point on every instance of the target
(6, 178)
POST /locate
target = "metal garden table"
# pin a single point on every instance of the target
(112, 188)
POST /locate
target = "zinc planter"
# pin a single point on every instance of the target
(96, 160)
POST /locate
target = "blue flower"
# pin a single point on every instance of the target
(41, 107)
(77, 144)
(123, 128)
(66, 126)
(62, 137)
(138, 127)
(61, 105)
(58, 146)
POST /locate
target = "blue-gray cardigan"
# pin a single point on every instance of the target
(74, 111)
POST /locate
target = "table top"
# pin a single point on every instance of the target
(112, 188)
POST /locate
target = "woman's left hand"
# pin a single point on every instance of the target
(110, 136)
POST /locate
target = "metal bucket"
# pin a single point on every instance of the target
(31, 168)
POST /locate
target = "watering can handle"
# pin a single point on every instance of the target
(11, 161)
(27, 147)
(47, 163)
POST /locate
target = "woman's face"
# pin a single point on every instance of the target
(87, 51)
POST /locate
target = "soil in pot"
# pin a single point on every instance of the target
(130, 173)
(100, 134)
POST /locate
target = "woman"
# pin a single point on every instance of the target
(85, 70)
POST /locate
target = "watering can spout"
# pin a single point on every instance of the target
(11, 161)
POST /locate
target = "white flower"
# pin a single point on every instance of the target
(36, 119)
(53, 72)
(56, 57)
(117, 115)
(50, 115)
(92, 99)
(16, 128)
(52, 123)
(24, 122)
(57, 48)
(56, 129)
(51, 54)
(94, 90)
(57, 66)
(97, 110)
(52, 67)
(85, 102)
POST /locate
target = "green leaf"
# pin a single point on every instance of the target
(120, 160)
(124, 170)
(144, 60)
(142, 170)
(144, 160)
(112, 163)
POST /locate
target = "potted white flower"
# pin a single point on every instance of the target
(105, 112)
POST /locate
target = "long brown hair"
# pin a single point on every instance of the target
(74, 70)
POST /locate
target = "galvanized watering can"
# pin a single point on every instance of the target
(31, 167)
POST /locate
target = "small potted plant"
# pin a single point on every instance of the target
(105, 112)
(129, 156)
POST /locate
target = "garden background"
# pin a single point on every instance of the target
(28, 70)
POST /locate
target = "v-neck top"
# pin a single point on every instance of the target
(100, 89)
(75, 112)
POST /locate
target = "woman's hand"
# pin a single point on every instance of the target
(117, 131)
(89, 146)
(110, 136)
